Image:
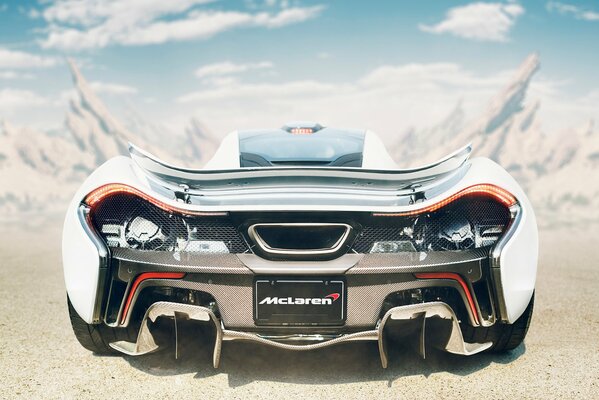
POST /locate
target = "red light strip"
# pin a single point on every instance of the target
(96, 196)
(503, 196)
(460, 280)
(142, 277)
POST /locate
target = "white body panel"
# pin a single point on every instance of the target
(81, 264)
(519, 263)
(375, 153)
(227, 154)
(518, 260)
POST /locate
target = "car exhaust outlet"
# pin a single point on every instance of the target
(146, 344)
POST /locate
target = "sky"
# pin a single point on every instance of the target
(386, 65)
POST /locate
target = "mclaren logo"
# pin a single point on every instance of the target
(317, 301)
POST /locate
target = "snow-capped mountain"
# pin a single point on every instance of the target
(570, 191)
(36, 167)
(559, 171)
(96, 131)
(40, 170)
(200, 144)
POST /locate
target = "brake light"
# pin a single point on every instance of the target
(98, 195)
(488, 190)
(302, 131)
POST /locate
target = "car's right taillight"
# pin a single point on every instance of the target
(472, 218)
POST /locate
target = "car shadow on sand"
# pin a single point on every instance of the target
(245, 362)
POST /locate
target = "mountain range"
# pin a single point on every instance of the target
(41, 170)
(559, 171)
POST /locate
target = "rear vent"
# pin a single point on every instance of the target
(301, 240)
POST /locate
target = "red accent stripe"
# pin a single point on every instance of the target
(499, 194)
(96, 196)
(142, 277)
(460, 280)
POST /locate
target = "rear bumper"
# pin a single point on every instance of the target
(371, 280)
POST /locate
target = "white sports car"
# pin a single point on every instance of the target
(300, 238)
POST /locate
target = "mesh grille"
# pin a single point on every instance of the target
(127, 221)
(376, 233)
(465, 224)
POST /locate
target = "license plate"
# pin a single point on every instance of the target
(299, 302)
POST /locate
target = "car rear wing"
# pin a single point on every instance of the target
(220, 187)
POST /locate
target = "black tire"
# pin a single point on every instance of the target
(96, 338)
(505, 337)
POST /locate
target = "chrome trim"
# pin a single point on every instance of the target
(516, 212)
(491, 319)
(83, 213)
(300, 337)
(145, 342)
(455, 344)
(152, 164)
(238, 335)
(255, 236)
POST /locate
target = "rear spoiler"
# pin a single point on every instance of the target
(278, 176)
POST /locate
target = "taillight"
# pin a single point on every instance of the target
(111, 189)
(474, 217)
(127, 217)
(484, 190)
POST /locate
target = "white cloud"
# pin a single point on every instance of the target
(234, 90)
(287, 16)
(91, 12)
(112, 88)
(389, 99)
(575, 11)
(15, 75)
(229, 68)
(13, 99)
(433, 79)
(560, 111)
(77, 25)
(478, 21)
(13, 59)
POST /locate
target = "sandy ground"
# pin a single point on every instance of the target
(40, 357)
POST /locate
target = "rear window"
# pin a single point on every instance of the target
(324, 147)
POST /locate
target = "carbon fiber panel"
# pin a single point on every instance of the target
(234, 297)
(412, 262)
(230, 282)
(182, 261)
(364, 302)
